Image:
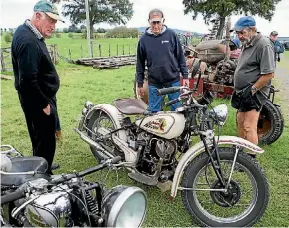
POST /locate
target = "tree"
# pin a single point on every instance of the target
(108, 11)
(220, 9)
(122, 32)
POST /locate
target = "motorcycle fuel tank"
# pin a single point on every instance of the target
(167, 125)
(50, 209)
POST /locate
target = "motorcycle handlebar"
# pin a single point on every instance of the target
(12, 196)
(169, 90)
(85, 172)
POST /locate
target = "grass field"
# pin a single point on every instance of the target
(75, 45)
(79, 84)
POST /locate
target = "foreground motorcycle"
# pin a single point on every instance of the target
(31, 198)
(221, 185)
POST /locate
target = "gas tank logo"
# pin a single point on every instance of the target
(158, 124)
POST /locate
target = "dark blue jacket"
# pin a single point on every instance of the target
(164, 56)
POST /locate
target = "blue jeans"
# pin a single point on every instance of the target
(155, 101)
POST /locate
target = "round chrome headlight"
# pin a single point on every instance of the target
(222, 113)
(88, 104)
(125, 207)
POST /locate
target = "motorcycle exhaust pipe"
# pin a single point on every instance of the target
(103, 152)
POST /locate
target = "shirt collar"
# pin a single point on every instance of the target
(34, 30)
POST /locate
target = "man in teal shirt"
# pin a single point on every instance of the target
(278, 47)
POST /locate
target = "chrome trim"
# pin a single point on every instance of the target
(100, 149)
(120, 201)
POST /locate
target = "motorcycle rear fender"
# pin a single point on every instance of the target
(113, 113)
(199, 148)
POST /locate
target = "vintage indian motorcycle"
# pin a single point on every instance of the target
(31, 198)
(221, 185)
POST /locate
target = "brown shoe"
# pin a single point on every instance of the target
(58, 134)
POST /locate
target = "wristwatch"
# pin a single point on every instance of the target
(254, 89)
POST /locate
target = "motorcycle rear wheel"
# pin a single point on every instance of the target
(250, 215)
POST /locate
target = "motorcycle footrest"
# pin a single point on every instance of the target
(143, 179)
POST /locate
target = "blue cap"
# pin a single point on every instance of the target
(244, 22)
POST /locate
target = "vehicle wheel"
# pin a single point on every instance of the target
(270, 124)
(100, 119)
(226, 203)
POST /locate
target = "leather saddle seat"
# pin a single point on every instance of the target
(131, 106)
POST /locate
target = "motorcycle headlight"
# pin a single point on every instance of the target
(222, 113)
(125, 207)
(88, 104)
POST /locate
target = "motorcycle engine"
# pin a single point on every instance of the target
(165, 149)
(158, 156)
(51, 209)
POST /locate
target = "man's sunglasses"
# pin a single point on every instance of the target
(156, 22)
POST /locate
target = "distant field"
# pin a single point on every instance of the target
(64, 43)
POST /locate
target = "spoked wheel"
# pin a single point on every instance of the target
(99, 125)
(243, 204)
(270, 124)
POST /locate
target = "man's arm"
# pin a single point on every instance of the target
(279, 48)
(140, 64)
(181, 57)
(28, 60)
(267, 67)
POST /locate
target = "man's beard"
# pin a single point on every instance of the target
(251, 36)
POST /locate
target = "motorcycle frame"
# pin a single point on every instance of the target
(201, 147)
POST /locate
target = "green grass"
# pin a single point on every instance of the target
(79, 84)
(74, 46)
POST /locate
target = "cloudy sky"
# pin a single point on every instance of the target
(14, 12)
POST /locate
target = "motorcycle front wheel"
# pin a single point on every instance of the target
(242, 205)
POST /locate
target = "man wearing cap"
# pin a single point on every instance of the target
(160, 47)
(278, 47)
(252, 77)
(36, 79)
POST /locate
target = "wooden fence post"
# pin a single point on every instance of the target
(2, 62)
(56, 54)
(116, 49)
(129, 49)
(99, 46)
(69, 54)
(91, 44)
(109, 54)
(123, 49)
(81, 51)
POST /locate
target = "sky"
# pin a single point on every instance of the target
(14, 12)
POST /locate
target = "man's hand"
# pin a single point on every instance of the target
(186, 82)
(47, 110)
(140, 91)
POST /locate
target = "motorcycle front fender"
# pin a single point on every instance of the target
(199, 148)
